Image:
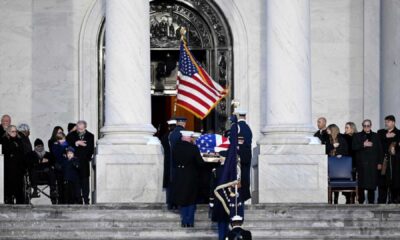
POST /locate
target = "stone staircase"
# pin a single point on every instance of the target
(153, 221)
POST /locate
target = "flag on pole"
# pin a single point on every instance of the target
(226, 190)
(197, 92)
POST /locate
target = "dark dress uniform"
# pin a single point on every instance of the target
(84, 154)
(238, 233)
(322, 135)
(384, 180)
(14, 170)
(185, 180)
(367, 159)
(245, 159)
(167, 167)
(174, 137)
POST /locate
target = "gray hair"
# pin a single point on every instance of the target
(23, 127)
(82, 122)
(9, 128)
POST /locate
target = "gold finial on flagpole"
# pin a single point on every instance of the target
(183, 34)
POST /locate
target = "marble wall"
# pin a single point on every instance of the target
(337, 60)
(39, 62)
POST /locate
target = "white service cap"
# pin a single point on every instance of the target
(186, 133)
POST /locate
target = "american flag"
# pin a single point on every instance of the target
(197, 92)
(208, 143)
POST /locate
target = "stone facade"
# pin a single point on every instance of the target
(49, 72)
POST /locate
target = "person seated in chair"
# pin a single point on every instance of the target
(237, 232)
(42, 166)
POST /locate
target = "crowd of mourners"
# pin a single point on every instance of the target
(375, 155)
(65, 168)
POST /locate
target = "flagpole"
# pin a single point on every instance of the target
(183, 32)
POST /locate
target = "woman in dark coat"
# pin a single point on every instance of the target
(14, 167)
(367, 147)
(350, 130)
(335, 146)
(185, 181)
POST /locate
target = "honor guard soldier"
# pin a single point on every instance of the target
(167, 159)
(245, 140)
(174, 137)
(186, 178)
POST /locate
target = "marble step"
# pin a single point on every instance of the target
(200, 223)
(178, 233)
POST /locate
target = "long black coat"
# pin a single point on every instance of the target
(367, 159)
(245, 159)
(186, 178)
(167, 159)
(392, 171)
(84, 154)
(14, 167)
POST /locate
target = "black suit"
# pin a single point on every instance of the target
(322, 135)
(84, 154)
(384, 180)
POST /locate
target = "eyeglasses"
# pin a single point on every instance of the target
(13, 131)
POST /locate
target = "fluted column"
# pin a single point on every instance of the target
(290, 169)
(390, 58)
(127, 84)
(288, 93)
(129, 160)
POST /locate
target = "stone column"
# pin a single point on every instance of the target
(290, 168)
(390, 58)
(129, 158)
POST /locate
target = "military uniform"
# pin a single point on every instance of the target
(245, 158)
(167, 160)
(186, 179)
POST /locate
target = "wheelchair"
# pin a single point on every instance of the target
(43, 184)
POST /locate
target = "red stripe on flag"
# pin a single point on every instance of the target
(190, 107)
(214, 91)
(195, 98)
(191, 85)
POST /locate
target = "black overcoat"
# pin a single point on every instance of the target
(185, 181)
(84, 154)
(367, 159)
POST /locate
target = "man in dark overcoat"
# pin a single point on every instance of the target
(368, 149)
(390, 134)
(83, 142)
(185, 180)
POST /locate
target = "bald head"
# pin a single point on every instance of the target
(5, 121)
(321, 123)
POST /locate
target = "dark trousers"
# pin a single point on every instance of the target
(84, 189)
(395, 195)
(60, 185)
(223, 229)
(43, 174)
(370, 195)
(382, 190)
(14, 189)
(71, 192)
(187, 214)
